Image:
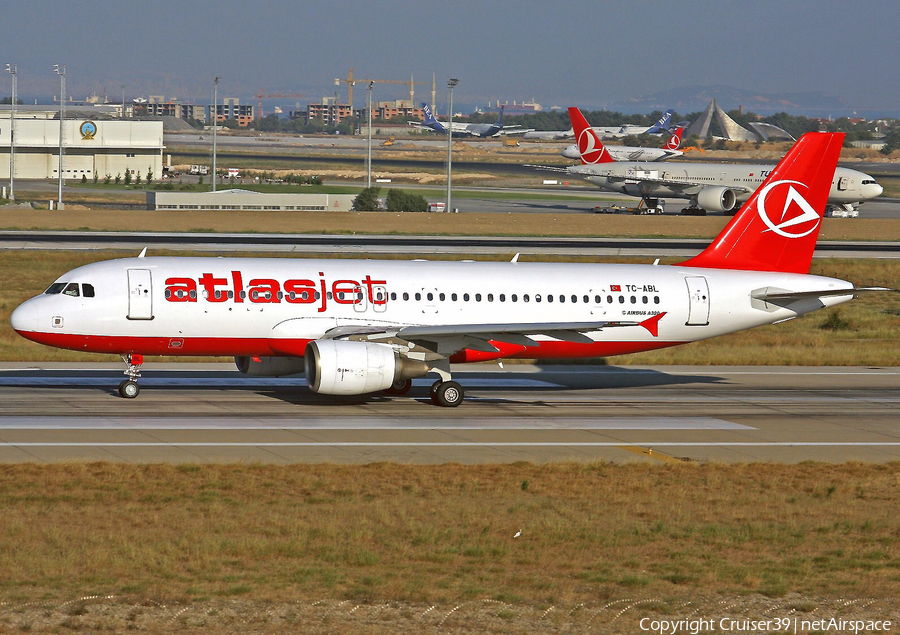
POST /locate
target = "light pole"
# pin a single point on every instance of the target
(369, 137)
(123, 101)
(450, 83)
(12, 69)
(215, 118)
(61, 71)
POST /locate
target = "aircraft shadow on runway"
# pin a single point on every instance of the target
(499, 385)
(492, 384)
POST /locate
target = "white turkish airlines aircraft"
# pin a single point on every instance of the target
(362, 326)
(713, 187)
(637, 153)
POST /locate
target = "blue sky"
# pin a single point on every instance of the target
(578, 52)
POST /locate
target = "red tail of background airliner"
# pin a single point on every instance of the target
(590, 147)
(776, 229)
(675, 139)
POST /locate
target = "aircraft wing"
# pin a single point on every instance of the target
(550, 168)
(447, 339)
(514, 130)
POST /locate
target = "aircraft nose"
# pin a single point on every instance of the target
(877, 189)
(25, 317)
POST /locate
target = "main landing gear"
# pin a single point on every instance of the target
(129, 388)
(446, 393)
(399, 387)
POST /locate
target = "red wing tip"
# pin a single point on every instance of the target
(652, 324)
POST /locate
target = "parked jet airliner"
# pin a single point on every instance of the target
(713, 187)
(661, 126)
(638, 153)
(362, 326)
(468, 129)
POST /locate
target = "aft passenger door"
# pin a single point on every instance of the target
(698, 299)
(140, 295)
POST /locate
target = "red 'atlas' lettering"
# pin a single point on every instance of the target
(304, 291)
(264, 290)
(180, 290)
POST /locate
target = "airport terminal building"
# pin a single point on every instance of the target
(91, 146)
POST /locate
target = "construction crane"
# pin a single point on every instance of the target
(260, 96)
(350, 81)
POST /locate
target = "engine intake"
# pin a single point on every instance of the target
(338, 367)
(716, 199)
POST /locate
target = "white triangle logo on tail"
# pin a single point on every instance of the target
(807, 213)
(587, 146)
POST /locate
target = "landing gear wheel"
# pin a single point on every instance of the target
(448, 394)
(129, 389)
(400, 387)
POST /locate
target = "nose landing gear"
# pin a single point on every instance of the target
(129, 388)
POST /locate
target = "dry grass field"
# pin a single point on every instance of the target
(489, 224)
(280, 540)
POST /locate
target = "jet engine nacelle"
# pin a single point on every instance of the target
(716, 199)
(269, 366)
(339, 367)
(571, 152)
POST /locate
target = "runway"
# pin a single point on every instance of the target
(198, 413)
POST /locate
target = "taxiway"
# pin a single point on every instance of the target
(209, 413)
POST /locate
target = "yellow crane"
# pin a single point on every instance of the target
(350, 81)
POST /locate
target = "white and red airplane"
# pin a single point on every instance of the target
(362, 326)
(709, 187)
(637, 153)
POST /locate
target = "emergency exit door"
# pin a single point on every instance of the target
(140, 296)
(698, 298)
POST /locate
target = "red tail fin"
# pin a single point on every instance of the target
(675, 140)
(776, 229)
(589, 144)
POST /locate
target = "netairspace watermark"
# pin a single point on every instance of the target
(793, 625)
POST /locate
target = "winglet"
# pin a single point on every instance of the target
(589, 145)
(652, 324)
(143, 253)
(515, 258)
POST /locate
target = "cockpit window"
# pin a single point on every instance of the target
(868, 181)
(87, 290)
(72, 290)
(55, 288)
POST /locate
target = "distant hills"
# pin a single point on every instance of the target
(688, 99)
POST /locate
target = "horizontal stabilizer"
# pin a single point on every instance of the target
(778, 295)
